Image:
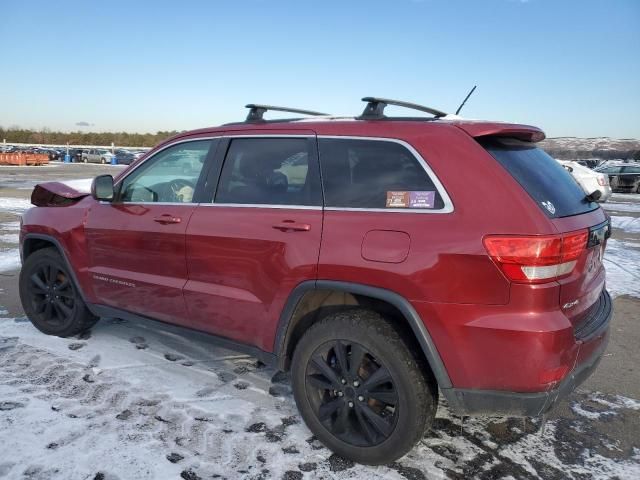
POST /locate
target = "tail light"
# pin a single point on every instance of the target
(536, 259)
(603, 181)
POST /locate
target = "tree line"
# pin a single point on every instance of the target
(47, 136)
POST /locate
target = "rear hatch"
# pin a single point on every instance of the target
(573, 257)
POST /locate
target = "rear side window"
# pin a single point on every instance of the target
(545, 180)
(270, 171)
(374, 174)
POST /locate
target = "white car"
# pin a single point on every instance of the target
(589, 180)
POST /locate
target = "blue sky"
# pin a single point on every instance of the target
(570, 67)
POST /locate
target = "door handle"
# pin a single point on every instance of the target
(290, 225)
(167, 219)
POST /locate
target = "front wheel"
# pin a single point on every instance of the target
(50, 297)
(360, 389)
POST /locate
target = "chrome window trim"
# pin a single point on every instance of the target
(448, 204)
(262, 205)
(447, 208)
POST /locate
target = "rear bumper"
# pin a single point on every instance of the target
(531, 404)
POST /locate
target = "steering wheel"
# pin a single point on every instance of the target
(180, 189)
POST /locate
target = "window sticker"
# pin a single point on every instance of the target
(425, 199)
(397, 199)
(422, 199)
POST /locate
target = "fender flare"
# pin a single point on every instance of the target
(65, 259)
(402, 304)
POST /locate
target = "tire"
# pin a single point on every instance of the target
(102, 161)
(50, 297)
(374, 410)
(84, 159)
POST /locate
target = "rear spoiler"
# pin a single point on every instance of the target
(497, 129)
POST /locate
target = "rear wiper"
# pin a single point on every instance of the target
(593, 196)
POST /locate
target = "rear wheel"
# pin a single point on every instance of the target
(360, 389)
(50, 297)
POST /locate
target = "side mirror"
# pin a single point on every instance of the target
(102, 188)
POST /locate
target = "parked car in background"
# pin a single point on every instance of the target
(124, 157)
(589, 180)
(623, 177)
(57, 154)
(96, 155)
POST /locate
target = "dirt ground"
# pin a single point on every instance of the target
(184, 409)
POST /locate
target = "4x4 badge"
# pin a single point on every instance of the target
(549, 206)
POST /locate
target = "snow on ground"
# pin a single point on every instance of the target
(628, 224)
(148, 400)
(621, 262)
(81, 185)
(9, 259)
(14, 205)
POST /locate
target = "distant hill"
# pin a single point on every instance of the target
(574, 148)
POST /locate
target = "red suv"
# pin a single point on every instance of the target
(382, 260)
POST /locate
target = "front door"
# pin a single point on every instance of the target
(258, 238)
(136, 243)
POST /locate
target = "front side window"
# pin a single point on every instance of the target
(170, 176)
(374, 174)
(269, 171)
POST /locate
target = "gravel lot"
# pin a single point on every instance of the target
(147, 400)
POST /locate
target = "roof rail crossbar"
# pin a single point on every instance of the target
(375, 108)
(257, 111)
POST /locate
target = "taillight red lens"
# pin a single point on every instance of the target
(536, 259)
(603, 181)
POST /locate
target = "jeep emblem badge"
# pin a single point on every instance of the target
(549, 206)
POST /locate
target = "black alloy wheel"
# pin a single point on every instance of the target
(361, 386)
(52, 295)
(352, 393)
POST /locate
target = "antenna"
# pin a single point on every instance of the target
(465, 99)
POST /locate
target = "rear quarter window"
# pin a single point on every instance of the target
(374, 174)
(545, 180)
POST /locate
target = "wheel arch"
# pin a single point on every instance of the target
(33, 242)
(306, 305)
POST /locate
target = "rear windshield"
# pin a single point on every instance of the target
(545, 180)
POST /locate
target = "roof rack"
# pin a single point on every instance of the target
(258, 110)
(375, 108)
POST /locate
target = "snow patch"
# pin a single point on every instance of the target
(9, 260)
(81, 185)
(9, 238)
(628, 224)
(621, 206)
(621, 264)
(16, 206)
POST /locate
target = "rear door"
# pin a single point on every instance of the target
(257, 237)
(560, 197)
(137, 242)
